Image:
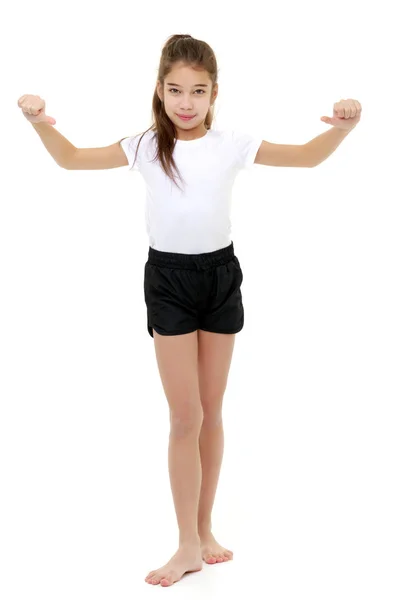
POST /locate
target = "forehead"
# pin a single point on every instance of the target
(187, 76)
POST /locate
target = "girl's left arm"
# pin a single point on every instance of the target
(346, 115)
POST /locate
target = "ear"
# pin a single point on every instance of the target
(160, 91)
(214, 93)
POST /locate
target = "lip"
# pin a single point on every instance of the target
(186, 117)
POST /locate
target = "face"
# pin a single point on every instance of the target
(187, 97)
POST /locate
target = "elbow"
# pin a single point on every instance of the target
(68, 161)
(308, 159)
(65, 165)
(313, 164)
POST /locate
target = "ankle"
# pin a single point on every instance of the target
(204, 528)
(189, 540)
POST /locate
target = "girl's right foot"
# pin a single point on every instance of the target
(186, 560)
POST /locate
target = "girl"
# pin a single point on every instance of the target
(192, 277)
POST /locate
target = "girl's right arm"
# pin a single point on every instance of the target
(64, 153)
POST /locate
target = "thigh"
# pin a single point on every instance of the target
(177, 363)
(224, 312)
(214, 361)
(171, 300)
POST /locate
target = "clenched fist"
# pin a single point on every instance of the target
(33, 108)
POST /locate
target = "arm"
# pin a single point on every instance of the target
(69, 157)
(282, 155)
(310, 154)
(322, 146)
(346, 115)
(56, 144)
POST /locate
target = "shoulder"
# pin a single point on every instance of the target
(133, 140)
(244, 145)
(240, 140)
(136, 148)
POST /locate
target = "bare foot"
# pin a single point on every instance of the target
(186, 560)
(212, 552)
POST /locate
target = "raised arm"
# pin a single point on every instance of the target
(69, 157)
(64, 153)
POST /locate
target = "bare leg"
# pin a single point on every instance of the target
(177, 361)
(211, 449)
(185, 476)
(214, 360)
(211, 443)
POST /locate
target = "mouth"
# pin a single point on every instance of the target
(186, 117)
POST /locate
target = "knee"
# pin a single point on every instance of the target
(212, 409)
(186, 420)
(212, 418)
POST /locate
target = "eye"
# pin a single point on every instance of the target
(174, 89)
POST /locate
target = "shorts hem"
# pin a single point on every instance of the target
(222, 330)
(173, 332)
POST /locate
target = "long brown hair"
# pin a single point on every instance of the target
(196, 54)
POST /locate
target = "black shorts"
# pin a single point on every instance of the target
(186, 292)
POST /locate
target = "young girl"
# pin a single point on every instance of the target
(192, 277)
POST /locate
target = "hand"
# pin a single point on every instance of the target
(346, 114)
(33, 109)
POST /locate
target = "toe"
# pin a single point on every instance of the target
(210, 559)
(167, 579)
(228, 554)
(220, 558)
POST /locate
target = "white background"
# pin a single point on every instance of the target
(309, 490)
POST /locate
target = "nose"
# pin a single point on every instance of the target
(186, 103)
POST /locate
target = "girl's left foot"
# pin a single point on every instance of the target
(211, 551)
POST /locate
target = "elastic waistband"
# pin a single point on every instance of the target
(191, 261)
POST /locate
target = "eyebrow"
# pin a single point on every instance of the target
(196, 85)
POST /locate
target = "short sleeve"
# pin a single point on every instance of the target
(129, 145)
(246, 147)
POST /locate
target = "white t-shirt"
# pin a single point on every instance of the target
(196, 219)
